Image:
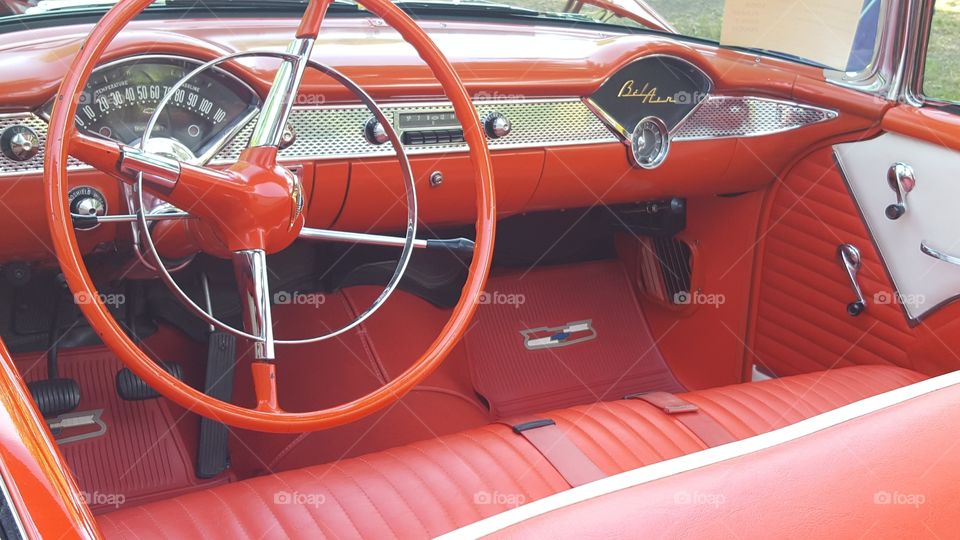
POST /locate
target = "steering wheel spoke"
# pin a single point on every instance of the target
(459, 245)
(250, 268)
(265, 386)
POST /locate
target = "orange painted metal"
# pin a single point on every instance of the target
(925, 123)
(312, 17)
(101, 320)
(265, 386)
(44, 495)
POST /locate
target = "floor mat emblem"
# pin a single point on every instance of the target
(77, 426)
(558, 336)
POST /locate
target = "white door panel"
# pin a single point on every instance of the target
(932, 215)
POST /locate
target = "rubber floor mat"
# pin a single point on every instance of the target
(562, 336)
(122, 453)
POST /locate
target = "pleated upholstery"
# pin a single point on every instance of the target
(801, 323)
(431, 487)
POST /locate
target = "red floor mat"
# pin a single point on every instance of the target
(141, 455)
(562, 336)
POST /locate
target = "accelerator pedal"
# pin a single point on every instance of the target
(213, 456)
(55, 396)
(131, 387)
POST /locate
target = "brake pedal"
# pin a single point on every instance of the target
(131, 387)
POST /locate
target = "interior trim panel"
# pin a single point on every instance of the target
(922, 281)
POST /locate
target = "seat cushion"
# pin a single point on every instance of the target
(434, 486)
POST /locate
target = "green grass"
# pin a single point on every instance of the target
(942, 72)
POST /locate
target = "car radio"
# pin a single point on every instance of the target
(420, 127)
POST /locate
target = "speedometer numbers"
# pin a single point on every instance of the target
(121, 97)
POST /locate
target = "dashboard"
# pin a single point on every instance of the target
(573, 117)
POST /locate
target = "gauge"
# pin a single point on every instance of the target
(649, 142)
(200, 117)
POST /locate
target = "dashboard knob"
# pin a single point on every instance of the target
(86, 202)
(374, 132)
(496, 125)
(19, 143)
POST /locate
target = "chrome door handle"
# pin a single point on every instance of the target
(902, 181)
(849, 257)
(937, 254)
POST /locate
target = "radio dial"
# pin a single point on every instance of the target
(496, 125)
(374, 133)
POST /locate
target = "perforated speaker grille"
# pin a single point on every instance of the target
(730, 116)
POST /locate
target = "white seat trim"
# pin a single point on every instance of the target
(703, 458)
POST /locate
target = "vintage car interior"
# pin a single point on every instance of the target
(531, 268)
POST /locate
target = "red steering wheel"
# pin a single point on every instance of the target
(252, 208)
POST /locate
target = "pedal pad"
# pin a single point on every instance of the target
(213, 455)
(131, 387)
(55, 396)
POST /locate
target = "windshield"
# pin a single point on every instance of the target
(839, 34)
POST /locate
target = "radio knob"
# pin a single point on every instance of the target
(496, 125)
(374, 133)
(19, 143)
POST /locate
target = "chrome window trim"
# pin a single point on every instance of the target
(916, 58)
(877, 76)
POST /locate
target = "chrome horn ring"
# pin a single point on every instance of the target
(409, 185)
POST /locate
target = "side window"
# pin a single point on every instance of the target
(941, 73)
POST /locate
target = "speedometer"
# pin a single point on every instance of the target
(200, 117)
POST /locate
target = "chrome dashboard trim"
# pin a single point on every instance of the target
(336, 131)
(710, 120)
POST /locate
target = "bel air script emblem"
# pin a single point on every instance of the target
(647, 93)
(558, 336)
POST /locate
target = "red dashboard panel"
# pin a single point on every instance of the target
(520, 62)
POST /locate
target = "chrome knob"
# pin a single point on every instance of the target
(496, 125)
(902, 180)
(86, 204)
(19, 143)
(374, 133)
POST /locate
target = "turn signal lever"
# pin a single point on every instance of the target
(902, 181)
(850, 259)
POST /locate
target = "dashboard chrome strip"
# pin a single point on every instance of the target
(719, 117)
(336, 131)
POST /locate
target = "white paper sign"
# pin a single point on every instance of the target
(818, 30)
